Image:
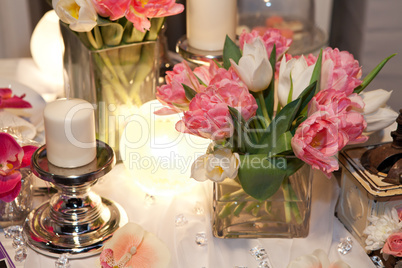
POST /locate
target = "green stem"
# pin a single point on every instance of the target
(286, 198)
(264, 108)
(295, 209)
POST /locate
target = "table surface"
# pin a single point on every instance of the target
(159, 217)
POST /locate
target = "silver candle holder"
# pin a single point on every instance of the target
(75, 220)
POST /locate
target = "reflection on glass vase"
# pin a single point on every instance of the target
(15, 212)
(284, 215)
(116, 80)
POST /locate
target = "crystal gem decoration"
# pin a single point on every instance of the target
(259, 253)
(377, 262)
(180, 220)
(198, 209)
(149, 200)
(201, 239)
(18, 241)
(345, 246)
(62, 261)
(20, 254)
(11, 231)
(264, 264)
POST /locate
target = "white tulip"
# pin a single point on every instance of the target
(294, 71)
(216, 166)
(254, 67)
(79, 14)
(375, 112)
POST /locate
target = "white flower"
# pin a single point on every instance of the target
(317, 259)
(380, 228)
(79, 14)
(254, 67)
(296, 72)
(375, 112)
(216, 166)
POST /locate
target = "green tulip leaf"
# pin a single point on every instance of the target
(230, 51)
(279, 125)
(132, 34)
(112, 34)
(190, 93)
(317, 72)
(261, 177)
(367, 80)
(156, 26)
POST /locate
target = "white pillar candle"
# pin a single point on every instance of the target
(209, 21)
(70, 132)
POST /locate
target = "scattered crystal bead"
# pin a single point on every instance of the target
(377, 262)
(180, 220)
(264, 264)
(18, 241)
(198, 209)
(62, 261)
(11, 231)
(149, 200)
(259, 253)
(345, 246)
(20, 254)
(201, 239)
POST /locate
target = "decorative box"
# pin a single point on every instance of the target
(371, 181)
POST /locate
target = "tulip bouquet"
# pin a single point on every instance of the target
(268, 113)
(102, 25)
(111, 56)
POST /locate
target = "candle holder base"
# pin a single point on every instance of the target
(75, 220)
(196, 56)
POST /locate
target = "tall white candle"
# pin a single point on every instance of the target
(209, 21)
(70, 132)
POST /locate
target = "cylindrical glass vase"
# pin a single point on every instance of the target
(16, 211)
(286, 214)
(116, 80)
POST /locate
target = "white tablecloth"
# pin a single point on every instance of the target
(159, 217)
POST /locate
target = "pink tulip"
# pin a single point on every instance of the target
(346, 109)
(172, 94)
(113, 9)
(208, 114)
(340, 71)
(206, 72)
(317, 140)
(140, 10)
(393, 245)
(7, 100)
(335, 102)
(269, 38)
(12, 158)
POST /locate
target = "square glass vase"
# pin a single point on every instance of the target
(286, 214)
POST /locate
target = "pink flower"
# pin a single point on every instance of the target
(345, 108)
(393, 245)
(132, 246)
(270, 38)
(139, 11)
(7, 100)
(340, 71)
(335, 101)
(207, 72)
(114, 9)
(208, 114)
(317, 140)
(172, 94)
(12, 158)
